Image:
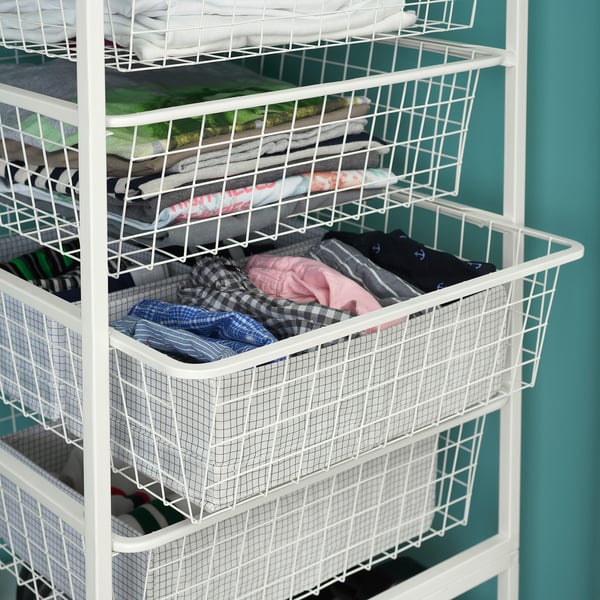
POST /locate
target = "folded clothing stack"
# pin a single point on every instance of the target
(60, 274)
(299, 155)
(160, 29)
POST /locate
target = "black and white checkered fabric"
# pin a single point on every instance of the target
(218, 283)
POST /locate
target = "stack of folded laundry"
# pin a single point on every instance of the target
(159, 29)
(286, 158)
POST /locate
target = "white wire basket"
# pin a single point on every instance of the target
(339, 140)
(221, 433)
(40, 364)
(142, 35)
(289, 547)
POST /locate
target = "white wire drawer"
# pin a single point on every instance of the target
(40, 365)
(291, 546)
(322, 136)
(144, 34)
(219, 433)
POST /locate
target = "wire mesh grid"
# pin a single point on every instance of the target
(211, 436)
(333, 140)
(148, 35)
(290, 547)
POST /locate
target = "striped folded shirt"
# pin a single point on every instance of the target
(178, 343)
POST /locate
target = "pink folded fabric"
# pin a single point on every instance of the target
(306, 280)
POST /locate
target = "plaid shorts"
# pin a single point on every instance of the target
(219, 284)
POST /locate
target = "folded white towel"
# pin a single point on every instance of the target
(156, 29)
(50, 27)
(177, 36)
(260, 8)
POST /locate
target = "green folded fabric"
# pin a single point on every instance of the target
(151, 516)
(42, 263)
(157, 138)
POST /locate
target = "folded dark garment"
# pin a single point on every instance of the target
(424, 267)
(146, 188)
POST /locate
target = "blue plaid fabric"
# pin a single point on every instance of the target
(224, 325)
(178, 342)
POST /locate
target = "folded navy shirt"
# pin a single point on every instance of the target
(423, 267)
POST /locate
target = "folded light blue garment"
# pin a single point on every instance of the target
(182, 344)
(224, 325)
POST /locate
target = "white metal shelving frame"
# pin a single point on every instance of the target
(494, 557)
(497, 556)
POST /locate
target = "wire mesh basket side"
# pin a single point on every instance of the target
(295, 545)
(162, 35)
(252, 431)
(332, 157)
(308, 539)
(47, 550)
(41, 358)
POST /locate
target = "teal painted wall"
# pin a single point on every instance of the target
(561, 467)
(560, 533)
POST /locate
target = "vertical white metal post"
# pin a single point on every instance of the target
(514, 208)
(94, 296)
